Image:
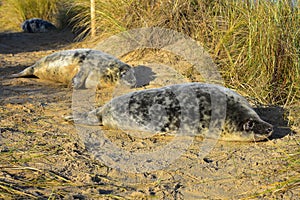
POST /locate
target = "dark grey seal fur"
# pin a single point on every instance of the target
(171, 108)
(83, 68)
(36, 25)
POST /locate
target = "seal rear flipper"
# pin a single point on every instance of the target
(72, 119)
(26, 72)
(89, 118)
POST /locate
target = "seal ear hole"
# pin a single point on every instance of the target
(248, 126)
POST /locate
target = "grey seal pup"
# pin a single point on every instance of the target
(185, 106)
(81, 68)
(37, 25)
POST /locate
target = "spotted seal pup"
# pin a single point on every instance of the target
(82, 68)
(168, 109)
(36, 25)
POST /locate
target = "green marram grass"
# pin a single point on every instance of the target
(256, 46)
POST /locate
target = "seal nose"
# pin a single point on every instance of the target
(269, 130)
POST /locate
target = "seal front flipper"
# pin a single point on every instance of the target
(78, 81)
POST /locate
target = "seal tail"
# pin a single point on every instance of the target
(26, 72)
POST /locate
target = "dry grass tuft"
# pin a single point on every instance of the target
(14, 12)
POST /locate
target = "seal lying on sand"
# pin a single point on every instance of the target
(36, 25)
(84, 68)
(188, 106)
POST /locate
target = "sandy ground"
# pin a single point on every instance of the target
(44, 157)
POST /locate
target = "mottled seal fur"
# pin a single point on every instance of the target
(168, 108)
(36, 25)
(83, 68)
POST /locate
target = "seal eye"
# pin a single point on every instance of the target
(248, 126)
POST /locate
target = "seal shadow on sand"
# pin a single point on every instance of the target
(144, 75)
(7, 71)
(275, 116)
(13, 90)
(18, 42)
(33, 90)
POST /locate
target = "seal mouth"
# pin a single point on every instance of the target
(260, 137)
(268, 132)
